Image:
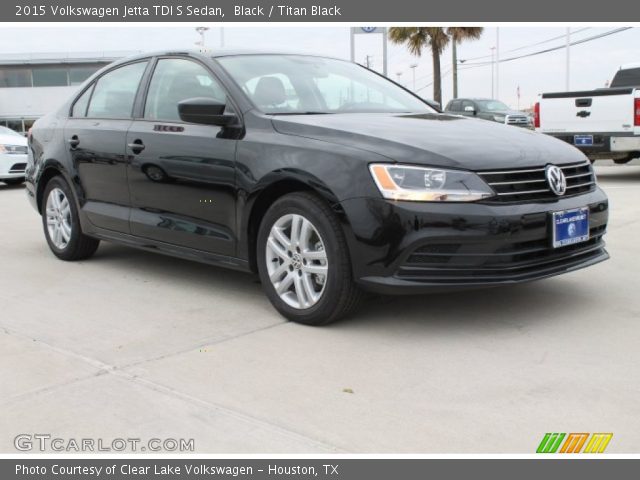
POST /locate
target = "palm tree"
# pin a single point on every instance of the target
(458, 35)
(436, 38)
(419, 38)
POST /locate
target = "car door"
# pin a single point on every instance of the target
(95, 134)
(182, 175)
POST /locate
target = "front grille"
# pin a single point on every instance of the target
(18, 168)
(531, 184)
(480, 262)
(518, 120)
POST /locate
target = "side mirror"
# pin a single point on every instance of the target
(469, 109)
(205, 111)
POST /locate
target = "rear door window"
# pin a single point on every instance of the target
(115, 92)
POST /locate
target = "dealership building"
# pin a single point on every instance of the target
(32, 85)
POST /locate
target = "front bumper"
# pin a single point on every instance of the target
(12, 166)
(411, 247)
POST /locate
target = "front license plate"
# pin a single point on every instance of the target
(583, 140)
(570, 227)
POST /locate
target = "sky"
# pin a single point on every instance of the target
(592, 64)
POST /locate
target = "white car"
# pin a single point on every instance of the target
(13, 156)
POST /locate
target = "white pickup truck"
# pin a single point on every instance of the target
(603, 123)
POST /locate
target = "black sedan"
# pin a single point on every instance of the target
(325, 178)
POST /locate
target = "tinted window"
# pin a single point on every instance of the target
(467, 103)
(492, 105)
(454, 106)
(115, 92)
(50, 77)
(175, 80)
(80, 107)
(627, 78)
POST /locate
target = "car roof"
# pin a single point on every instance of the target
(222, 52)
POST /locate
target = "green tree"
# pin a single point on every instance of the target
(436, 39)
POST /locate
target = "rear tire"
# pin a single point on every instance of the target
(306, 275)
(62, 225)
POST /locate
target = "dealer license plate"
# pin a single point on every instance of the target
(570, 227)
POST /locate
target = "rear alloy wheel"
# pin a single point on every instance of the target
(303, 261)
(62, 225)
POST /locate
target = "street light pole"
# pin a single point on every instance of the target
(413, 69)
(399, 74)
(201, 31)
(497, 62)
(568, 43)
(493, 60)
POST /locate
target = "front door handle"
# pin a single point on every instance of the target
(136, 146)
(74, 142)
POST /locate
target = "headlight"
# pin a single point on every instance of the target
(14, 149)
(499, 118)
(418, 184)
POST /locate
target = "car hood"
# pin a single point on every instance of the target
(12, 140)
(433, 139)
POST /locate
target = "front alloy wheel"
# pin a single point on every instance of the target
(296, 261)
(303, 260)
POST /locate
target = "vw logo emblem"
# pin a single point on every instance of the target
(556, 180)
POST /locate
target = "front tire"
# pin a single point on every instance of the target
(62, 225)
(303, 261)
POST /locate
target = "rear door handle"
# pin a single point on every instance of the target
(136, 146)
(74, 142)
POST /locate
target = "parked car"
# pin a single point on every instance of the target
(321, 176)
(13, 156)
(488, 109)
(603, 123)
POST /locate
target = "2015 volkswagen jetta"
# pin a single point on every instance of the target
(323, 177)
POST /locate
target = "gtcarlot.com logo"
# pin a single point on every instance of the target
(43, 442)
(573, 443)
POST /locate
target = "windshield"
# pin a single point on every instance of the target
(629, 77)
(297, 84)
(492, 105)
(8, 131)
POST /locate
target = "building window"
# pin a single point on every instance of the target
(77, 75)
(50, 77)
(15, 77)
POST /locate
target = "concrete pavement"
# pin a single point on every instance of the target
(132, 344)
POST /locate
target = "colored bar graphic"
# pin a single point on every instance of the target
(574, 443)
(598, 442)
(550, 442)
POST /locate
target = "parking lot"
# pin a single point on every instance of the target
(132, 344)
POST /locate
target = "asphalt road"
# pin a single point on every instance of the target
(135, 345)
